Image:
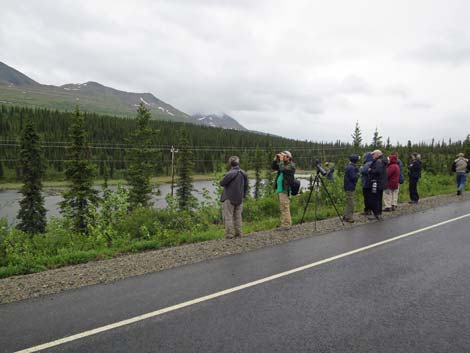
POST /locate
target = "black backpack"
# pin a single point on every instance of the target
(294, 187)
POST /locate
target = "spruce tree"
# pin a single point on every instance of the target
(32, 214)
(80, 198)
(142, 157)
(357, 136)
(185, 171)
(377, 139)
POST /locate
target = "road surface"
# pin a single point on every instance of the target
(402, 285)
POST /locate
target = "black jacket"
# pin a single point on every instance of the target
(378, 173)
(414, 169)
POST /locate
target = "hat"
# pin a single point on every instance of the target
(354, 158)
(288, 154)
(460, 154)
(379, 152)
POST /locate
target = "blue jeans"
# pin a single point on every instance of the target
(461, 180)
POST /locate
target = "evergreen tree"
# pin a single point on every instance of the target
(2, 173)
(357, 136)
(388, 146)
(185, 171)
(258, 166)
(32, 214)
(377, 139)
(141, 157)
(81, 197)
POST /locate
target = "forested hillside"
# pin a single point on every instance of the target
(109, 140)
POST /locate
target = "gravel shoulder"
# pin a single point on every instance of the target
(54, 281)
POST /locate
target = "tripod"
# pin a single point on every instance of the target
(315, 186)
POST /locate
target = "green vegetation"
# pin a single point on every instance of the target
(116, 231)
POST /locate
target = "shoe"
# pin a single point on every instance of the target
(365, 213)
(387, 209)
(459, 192)
(237, 236)
(349, 220)
(379, 217)
(282, 229)
(371, 218)
(229, 237)
(394, 208)
(412, 202)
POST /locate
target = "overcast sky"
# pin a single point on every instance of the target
(301, 69)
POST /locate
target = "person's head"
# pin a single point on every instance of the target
(354, 158)
(394, 154)
(234, 161)
(287, 155)
(415, 155)
(376, 154)
(393, 159)
(460, 155)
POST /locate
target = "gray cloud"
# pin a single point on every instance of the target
(300, 69)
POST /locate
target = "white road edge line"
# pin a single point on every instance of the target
(226, 291)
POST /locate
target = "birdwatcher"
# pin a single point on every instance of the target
(414, 173)
(351, 175)
(235, 184)
(460, 167)
(285, 167)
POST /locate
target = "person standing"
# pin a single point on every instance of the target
(391, 192)
(364, 170)
(461, 168)
(235, 184)
(351, 175)
(377, 179)
(414, 173)
(285, 167)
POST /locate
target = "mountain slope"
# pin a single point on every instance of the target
(216, 120)
(18, 89)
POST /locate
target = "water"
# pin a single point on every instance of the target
(9, 199)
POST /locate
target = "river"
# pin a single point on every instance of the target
(9, 199)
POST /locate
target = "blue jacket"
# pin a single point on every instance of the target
(351, 174)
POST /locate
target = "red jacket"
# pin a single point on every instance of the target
(393, 173)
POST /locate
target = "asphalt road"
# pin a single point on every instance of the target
(409, 295)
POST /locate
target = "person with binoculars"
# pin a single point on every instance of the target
(285, 167)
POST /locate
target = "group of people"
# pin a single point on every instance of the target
(235, 184)
(381, 177)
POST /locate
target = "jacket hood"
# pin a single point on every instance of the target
(368, 157)
(393, 159)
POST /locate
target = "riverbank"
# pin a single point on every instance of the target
(128, 265)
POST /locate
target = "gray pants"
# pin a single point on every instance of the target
(232, 219)
(349, 210)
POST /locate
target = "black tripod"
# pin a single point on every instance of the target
(315, 186)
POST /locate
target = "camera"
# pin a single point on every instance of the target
(320, 170)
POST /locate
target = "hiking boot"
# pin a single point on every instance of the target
(387, 209)
(459, 192)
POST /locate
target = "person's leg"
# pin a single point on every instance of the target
(413, 190)
(395, 199)
(237, 220)
(365, 193)
(228, 218)
(349, 210)
(388, 199)
(380, 194)
(284, 205)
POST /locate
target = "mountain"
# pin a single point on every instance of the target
(216, 120)
(18, 89)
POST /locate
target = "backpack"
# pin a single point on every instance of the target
(294, 187)
(401, 178)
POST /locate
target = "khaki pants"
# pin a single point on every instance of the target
(349, 210)
(284, 206)
(232, 218)
(390, 198)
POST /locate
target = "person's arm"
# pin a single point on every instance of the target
(228, 177)
(287, 167)
(275, 164)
